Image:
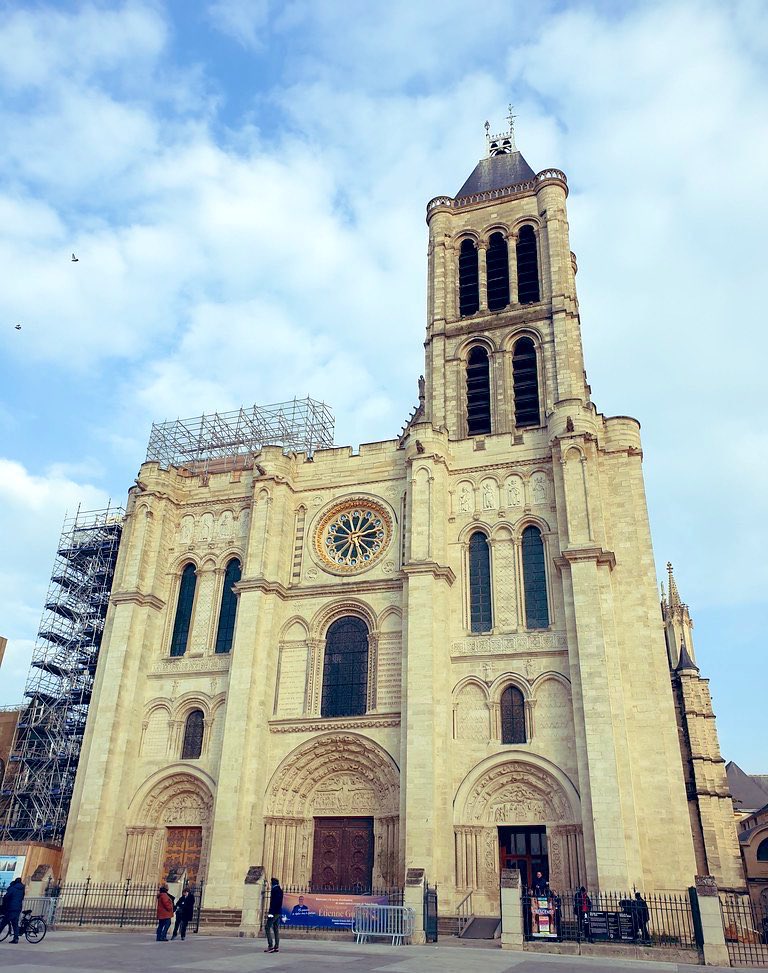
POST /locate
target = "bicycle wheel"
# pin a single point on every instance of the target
(36, 930)
(5, 929)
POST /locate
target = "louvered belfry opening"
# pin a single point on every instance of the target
(480, 612)
(534, 579)
(525, 382)
(527, 266)
(469, 288)
(497, 264)
(184, 610)
(478, 392)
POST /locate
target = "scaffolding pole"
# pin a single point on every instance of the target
(40, 776)
(303, 425)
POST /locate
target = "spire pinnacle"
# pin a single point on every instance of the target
(674, 594)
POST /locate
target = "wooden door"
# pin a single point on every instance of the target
(343, 854)
(183, 847)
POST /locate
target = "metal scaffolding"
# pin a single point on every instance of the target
(40, 777)
(303, 425)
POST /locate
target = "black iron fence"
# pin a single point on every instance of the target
(745, 926)
(111, 903)
(619, 917)
(310, 907)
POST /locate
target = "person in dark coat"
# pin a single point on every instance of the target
(272, 925)
(12, 900)
(185, 911)
(540, 886)
(582, 906)
(164, 914)
(641, 916)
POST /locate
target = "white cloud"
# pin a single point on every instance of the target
(243, 20)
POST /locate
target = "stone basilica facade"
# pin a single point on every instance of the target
(443, 651)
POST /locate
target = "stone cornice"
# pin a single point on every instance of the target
(348, 584)
(519, 643)
(261, 584)
(438, 571)
(317, 724)
(591, 553)
(137, 597)
(182, 665)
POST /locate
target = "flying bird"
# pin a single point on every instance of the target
(75, 259)
(18, 327)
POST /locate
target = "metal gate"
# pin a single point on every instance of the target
(430, 913)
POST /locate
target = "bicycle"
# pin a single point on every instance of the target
(33, 927)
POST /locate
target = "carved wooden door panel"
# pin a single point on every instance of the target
(183, 847)
(343, 854)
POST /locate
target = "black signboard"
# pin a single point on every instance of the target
(611, 925)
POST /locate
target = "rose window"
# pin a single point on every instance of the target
(353, 535)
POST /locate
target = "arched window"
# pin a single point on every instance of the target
(534, 579)
(481, 618)
(225, 632)
(345, 668)
(478, 392)
(525, 383)
(184, 610)
(469, 289)
(527, 266)
(497, 265)
(193, 736)
(762, 851)
(512, 716)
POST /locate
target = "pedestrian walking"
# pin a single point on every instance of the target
(12, 900)
(164, 913)
(185, 911)
(272, 925)
(641, 916)
(582, 906)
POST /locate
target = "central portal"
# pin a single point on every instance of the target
(342, 858)
(526, 850)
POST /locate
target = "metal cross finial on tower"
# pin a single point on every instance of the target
(511, 119)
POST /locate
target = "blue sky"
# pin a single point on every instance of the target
(244, 182)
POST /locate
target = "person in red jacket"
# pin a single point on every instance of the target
(164, 913)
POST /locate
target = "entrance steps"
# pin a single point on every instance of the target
(221, 918)
(482, 927)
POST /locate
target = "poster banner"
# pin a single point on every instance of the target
(11, 867)
(328, 910)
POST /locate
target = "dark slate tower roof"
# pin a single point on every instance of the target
(496, 172)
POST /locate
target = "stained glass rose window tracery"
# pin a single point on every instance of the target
(353, 534)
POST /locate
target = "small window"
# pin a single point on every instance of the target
(534, 579)
(193, 736)
(478, 392)
(512, 716)
(469, 287)
(225, 632)
(497, 265)
(525, 383)
(481, 619)
(184, 610)
(527, 266)
(345, 668)
(762, 851)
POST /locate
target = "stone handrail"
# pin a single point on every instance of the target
(546, 175)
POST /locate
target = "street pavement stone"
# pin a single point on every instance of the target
(99, 952)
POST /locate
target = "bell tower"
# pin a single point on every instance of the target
(503, 340)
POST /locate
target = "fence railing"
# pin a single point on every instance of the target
(580, 916)
(393, 922)
(110, 904)
(745, 926)
(308, 907)
(464, 913)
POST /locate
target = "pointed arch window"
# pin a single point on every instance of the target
(497, 264)
(184, 610)
(480, 611)
(193, 735)
(469, 280)
(534, 579)
(478, 392)
(527, 266)
(525, 383)
(225, 632)
(345, 668)
(513, 716)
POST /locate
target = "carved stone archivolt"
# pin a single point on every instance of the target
(516, 793)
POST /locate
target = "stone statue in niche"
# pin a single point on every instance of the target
(187, 529)
(514, 493)
(539, 488)
(489, 495)
(465, 499)
(206, 527)
(226, 523)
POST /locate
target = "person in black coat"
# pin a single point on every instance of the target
(12, 900)
(272, 925)
(185, 911)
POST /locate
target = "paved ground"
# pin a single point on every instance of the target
(104, 952)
